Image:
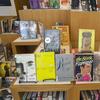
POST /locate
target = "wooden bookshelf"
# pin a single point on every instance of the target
(81, 86)
(17, 88)
(75, 20)
(25, 46)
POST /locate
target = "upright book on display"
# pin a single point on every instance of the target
(45, 65)
(96, 66)
(64, 38)
(28, 29)
(52, 41)
(64, 67)
(84, 66)
(65, 4)
(25, 65)
(86, 40)
(54, 4)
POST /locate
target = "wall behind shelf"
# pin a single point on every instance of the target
(75, 19)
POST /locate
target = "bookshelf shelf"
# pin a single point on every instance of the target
(17, 88)
(18, 45)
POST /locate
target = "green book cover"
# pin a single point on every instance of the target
(54, 4)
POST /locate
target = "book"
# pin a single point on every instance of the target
(64, 67)
(28, 29)
(86, 40)
(54, 4)
(44, 4)
(75, 4)
(64, 38)
(45, 65)
(25, 65)
(52, 41)
(65, 4)
(34, 4)
(50, 96)
(16, 26)
(96, 66)
(45, 96)
(85, 5)
(84, 66)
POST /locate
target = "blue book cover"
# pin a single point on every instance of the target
(28, 29)
(52, 41)
(65, 67)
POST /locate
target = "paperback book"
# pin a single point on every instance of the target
(84, 66)
(64, 67)
(65, 4)
(45, 66)
(86, 40)
(64, 38)
(96, 66)
(28, 29)
(52, 41)
(25, 65)
(54, 4)
(44, 4)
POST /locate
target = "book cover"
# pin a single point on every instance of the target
(34, 4)
(54, 4)
(25, 65)
(52, 40)
(86, 40)
(85, 5)
(16, 26)
(65, 4)
(84, 66)
(65, 67)
(64, 38)
(32, 29)
(44, 4)
(75, 4)
(45, 65)
(28, 29)
(96, 66)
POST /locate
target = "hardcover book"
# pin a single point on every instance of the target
(44, 4)
(75, 4)
(16, 26)
(28, 29)
(65, 4)
(96, 66)
(52, 41)
(64, 38)
(84, 66)
(54, 4)
(34, 4)
(45, 65)
(86, 40)
(64, 67)
(25, 65)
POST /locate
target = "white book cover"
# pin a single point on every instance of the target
(25, 64)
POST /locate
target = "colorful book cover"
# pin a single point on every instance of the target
(34, 4)
(64, 67)
(54, 4)
(25, 65)
(64, 38)
(86, 40)
(96, 66)
(44, 4)
(52, 40)
(65, 4)
(28, 29)
(84, 66)
(45, 64)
